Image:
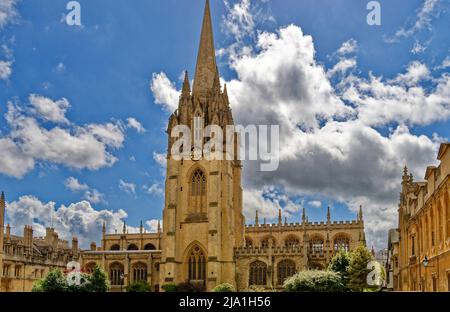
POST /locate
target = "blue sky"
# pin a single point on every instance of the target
(105, 70)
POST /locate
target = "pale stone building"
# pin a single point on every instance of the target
(26, 259)
(423, 247)
(204, 239)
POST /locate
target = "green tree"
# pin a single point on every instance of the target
(357, 269)
(339, 264)
(98, 281)
(140, 286)
(315, 281)
(55, 281)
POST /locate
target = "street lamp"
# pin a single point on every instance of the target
(425, 262)
(122, 277)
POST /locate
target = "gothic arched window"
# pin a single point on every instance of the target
(197, 265)
(149, 246)
(248, 242)
(286, 268)
(116, 275)
(292, 241)
(115, 247)
(317, 245)
(139, 272)
(258, 274)
(341, 242)
(198, 192)
(133, 247)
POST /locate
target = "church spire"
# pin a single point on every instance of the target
(186, 91)
(206, 69)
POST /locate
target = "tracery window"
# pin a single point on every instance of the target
(292, 241)
(286, 268)
(149, 246)
(197, 265)
(139, 272)
(116, 274)
(198, 192)
(317, 245)
(258, 274)
(115, 247)
(341, 242)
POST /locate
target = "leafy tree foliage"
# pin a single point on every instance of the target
(339, 264)
(357, 268)
(56, 281)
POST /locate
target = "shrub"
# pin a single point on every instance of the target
(38, 287)
(190, 287)
(141, 286)
(225, 287)
(55, 281)
(169, 287)
(98, 281)
(315, 281)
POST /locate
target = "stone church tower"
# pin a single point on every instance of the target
(202, 218)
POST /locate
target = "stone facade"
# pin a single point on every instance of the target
(204, 239)
(26, 259)
(424, 230)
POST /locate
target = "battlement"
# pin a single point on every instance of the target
(299, 226)
(276, 250)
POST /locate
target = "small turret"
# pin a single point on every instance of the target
(304, 215)
(124, 228)
(280, 219)
(360, 214)
(328, 215)
(141, 228)
(256, 218)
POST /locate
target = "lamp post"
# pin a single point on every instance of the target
(122, 278)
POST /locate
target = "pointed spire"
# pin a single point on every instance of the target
(280, 219)
(104, 228)
(304, 215)
(141, 228)
(285, 221)
(186, 91)
(225, 93)
(328, 215)
(360, 214)
(216, 83)
(124, 227)
(2, 207)
(256, 218)
(206, 61)
(159, 226)
(265, 221)
(405, 175)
